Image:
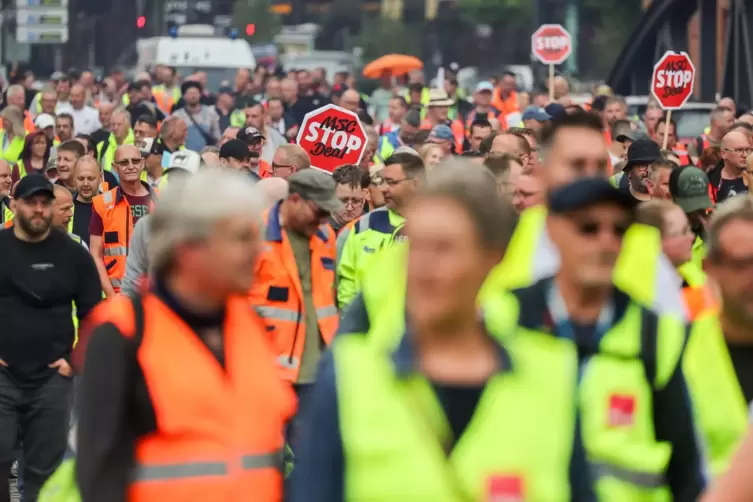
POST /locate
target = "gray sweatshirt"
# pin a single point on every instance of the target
(137, 264)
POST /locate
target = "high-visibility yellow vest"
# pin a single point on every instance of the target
(522, 432)
(110, 146)
(7, 214)
(13, 151)
(715, 390)
(61, 486)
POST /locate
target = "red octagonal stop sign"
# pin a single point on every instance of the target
(332, 136)
(672, 82)
(551, 44)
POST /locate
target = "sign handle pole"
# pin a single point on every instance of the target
(551, 82)
(666, 130)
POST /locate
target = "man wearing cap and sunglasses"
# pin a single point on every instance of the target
(42, 273)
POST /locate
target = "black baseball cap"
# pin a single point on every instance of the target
(586, 192)
(249, 134)
(33, 184)
(235, 149)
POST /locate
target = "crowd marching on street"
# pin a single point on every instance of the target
(286, 289)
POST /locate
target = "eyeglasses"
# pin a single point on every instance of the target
(352, 201)
(744, 150)
(594, 228)
(125, 162)
(281, 166)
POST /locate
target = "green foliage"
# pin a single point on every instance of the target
(381, 36)
(257, 12)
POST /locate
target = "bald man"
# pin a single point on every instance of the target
(728, 180)
(62, 208)
(351, 100)
(114, 215)
(274, 189)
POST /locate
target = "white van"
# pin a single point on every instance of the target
(196, 48)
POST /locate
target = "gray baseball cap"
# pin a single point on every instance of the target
(316, 186)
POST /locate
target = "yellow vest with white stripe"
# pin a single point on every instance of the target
(717, 397)
(522, 431)
(111, 145)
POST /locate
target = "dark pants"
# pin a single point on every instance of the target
(40, 416)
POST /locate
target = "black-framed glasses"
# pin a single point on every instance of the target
(743, 150)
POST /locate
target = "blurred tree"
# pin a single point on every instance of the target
(256, 12)
(379, 36)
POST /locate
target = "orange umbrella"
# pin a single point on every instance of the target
(397, 64)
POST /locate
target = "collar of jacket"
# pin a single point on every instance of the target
(119, 192)
(274, 230)
(405, 357)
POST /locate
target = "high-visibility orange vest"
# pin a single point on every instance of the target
(506, 106)
(164, 101)
(682, 153)
(219, 433)
(115, 211)
(277, 294)
(29, 122)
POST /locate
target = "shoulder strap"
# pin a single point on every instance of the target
(649, 334)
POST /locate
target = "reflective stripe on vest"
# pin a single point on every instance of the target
(280, 314)
(638, 478)
(198, 469)
(116, 251)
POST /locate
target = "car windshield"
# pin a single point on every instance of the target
(690, 123)
(215, 76)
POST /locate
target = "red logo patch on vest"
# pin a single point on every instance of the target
(505, 488)
(621, 410)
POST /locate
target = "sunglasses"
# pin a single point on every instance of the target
(594, 228)
(125, 162)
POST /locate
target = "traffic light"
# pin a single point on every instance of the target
(250, 29)
(140, 22)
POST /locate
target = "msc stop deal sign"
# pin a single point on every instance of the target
(672, 83)
(332, 136)
(551, 44)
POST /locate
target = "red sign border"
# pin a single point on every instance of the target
(323, 109)
(653, 78)
(533, 43)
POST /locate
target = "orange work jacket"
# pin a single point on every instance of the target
(115, 211)
(219, 432)
(277, 294)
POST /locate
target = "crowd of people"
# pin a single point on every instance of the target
(511, 297)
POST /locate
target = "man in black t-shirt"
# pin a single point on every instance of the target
(42, 273)
(727, 178)
(640, 155)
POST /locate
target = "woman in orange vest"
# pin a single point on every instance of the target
(180, 397)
